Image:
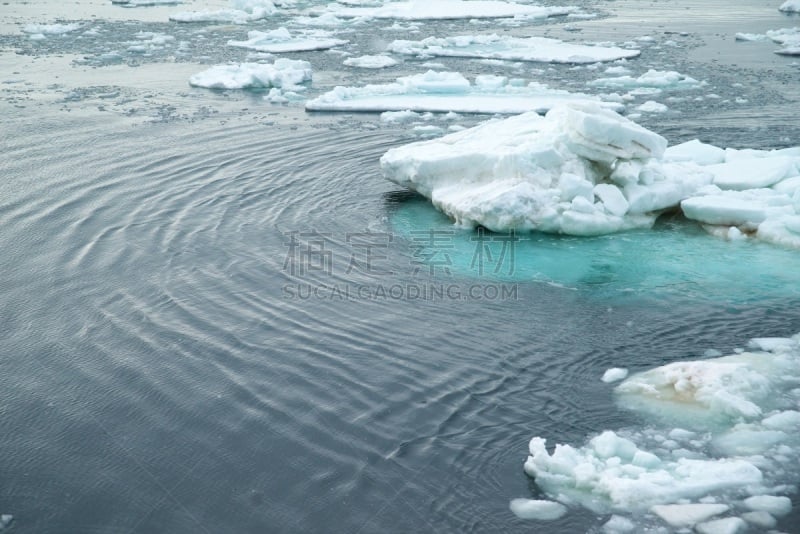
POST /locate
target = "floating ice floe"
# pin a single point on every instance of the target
(449, 9)
(789, 38)
(240, 12)
(615, 374)
(580, 170)
(535, 509)
(284, 73)
(371, 62)
(722, 449)
(583, 170)
(146, 3)
(281, 40)
(540, 49)
(652, 79)
(41, 31)
(790, 6)
(449, 91)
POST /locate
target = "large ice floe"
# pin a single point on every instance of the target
(652, 79)
(281, 40)
(493, 46)
(450, 91)
(448, 9)
(284, 73)
(240, 12)
(721, 453)
(585, 170)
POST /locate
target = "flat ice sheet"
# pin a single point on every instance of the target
(448, 91)
(541, 49)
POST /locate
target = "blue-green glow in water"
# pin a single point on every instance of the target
(675, 258)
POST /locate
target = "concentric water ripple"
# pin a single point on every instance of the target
(157, 362)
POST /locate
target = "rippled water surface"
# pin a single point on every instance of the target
(193, 338)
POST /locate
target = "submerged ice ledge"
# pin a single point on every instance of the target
(721, 452)
(585, 170)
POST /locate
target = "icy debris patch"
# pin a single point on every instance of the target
(534, 509)
(371, 62)
(449, 91)
(448, 9)
(652, 107)
(615, 374)
(789, 38)
(240, 12)
(580, 170)
(540, 49)
(281, 40)
(717, 478)
(790, 6)
(284, 73)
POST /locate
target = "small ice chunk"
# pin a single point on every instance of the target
(777, 506)
(371, 62)
(536, 509)
(651, 106)
(618, 524)
(728, 525)
(613, 199)
(614, 374)
(696, 151)
(283, 73)
(686, 515)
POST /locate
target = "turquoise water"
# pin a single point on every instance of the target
(676, 259)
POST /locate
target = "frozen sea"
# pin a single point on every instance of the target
(217, 316)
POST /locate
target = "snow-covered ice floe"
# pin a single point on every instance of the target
(540, 49)
(789, 38)
(584, 170)
(284, 73)
(652, 79)
(371, 62)
(240, 12)
(449, 9)
(449, 91)
(281, 40)
(790, 6)
(721, 452)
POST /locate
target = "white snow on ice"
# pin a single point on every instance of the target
(284, 73)
(790, 6)
(449, 91)
(281, 40)
(448, 9)
(541, 49)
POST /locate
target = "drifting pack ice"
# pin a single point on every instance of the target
(585, 170)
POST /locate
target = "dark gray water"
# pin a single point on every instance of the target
(191, 339)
